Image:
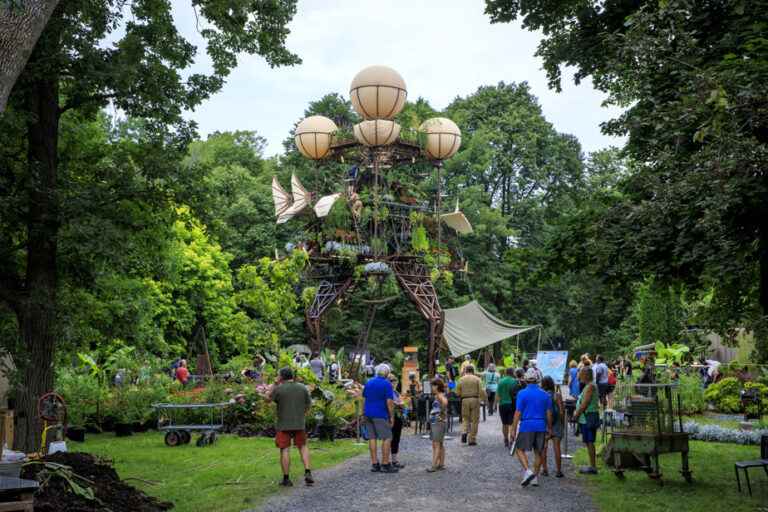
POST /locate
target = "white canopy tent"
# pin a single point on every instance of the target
(471, 327)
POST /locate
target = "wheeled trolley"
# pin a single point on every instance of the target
(180, 433)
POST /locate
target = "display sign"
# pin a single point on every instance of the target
(552, 364)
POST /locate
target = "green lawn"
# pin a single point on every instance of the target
(234, 474)
(714, 486)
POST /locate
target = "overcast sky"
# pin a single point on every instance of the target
(442, 48)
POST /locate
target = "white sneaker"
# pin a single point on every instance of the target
(535, 481)
(527, 477)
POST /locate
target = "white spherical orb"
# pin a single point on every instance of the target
(313, 136)
(442, 138)
(378, 92)
(378, 132)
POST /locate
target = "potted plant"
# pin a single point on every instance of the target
(81, 392)
(76, 424)
(329, 420)
(124, 425)
(123, 414)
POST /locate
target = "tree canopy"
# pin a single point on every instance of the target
(692, 79)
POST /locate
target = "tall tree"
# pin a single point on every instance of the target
(21, 23)
(513, 171)
(141, 73)
(233, 195)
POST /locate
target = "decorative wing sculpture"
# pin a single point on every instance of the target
(289, 205)
(283, 201)
(457, 221)
(324, 205)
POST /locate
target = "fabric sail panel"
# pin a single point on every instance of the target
(471, 327)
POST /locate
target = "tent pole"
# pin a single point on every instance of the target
(538, 343)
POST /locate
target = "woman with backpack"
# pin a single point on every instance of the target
(491, 379)
(558, 423)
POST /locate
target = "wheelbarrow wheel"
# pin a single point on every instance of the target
(172, 438)
(186, 437)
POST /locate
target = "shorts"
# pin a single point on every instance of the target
(507, 413)
(437, 431)
(283, 438)
(557, 430)
(378, 428)
(604, 390)
(530, 441)
(588, 434)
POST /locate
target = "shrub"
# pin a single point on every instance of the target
(236, 364)
(691, 394)
(726, 395)
(716, 433)
(83, 395)
(132, 403)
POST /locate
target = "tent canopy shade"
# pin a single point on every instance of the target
(471, 327)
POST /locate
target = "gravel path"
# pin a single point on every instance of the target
(480, 478)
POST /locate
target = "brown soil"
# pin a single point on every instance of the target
(57, 496)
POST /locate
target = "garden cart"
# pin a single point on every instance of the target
(174, 421)
(644, 423)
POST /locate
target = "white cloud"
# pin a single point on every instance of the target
(443, 49)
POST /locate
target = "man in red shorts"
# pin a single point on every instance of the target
(293, 402)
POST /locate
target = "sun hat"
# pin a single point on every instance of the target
(531, 375)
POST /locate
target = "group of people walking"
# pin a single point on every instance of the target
(531, 409)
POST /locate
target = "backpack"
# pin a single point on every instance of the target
(555, 408)
(513, 394)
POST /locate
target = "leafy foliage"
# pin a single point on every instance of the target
(725, 395)
(267, 293)
(692, 79)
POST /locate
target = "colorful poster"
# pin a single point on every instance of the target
(552, 364)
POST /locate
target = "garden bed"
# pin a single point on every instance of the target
(57, 494)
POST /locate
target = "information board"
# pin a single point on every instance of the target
(552, 364)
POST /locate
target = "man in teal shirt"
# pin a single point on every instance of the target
(504, 391)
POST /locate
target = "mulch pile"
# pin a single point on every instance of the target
(114, 494)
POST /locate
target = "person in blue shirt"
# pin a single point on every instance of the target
(574, 386)
(533, 416)
(379, 417)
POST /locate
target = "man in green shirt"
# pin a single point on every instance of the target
(504, 391)
(293, 402)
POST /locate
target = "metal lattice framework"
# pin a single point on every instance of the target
(383, 223)
(410, 272)
(328, 292)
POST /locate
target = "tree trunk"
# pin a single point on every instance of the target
(21, 24)
(37, 315)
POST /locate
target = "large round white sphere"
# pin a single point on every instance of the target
(442, 138)
(378, 92)
(313, 136)
(378, 132)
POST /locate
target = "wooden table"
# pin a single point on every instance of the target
(17, 494)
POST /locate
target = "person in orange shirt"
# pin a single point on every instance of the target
(182, 374)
